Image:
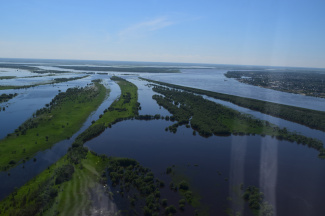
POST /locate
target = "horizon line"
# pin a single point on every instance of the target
(162, 62)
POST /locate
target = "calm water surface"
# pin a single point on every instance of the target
(214, 80)
(290, 175)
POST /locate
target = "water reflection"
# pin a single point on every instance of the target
(214, 80)
(288, 174)
(269, 171)
(237, 173)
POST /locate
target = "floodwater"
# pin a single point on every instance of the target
(279, 168)
(290, 175)
(214, 80)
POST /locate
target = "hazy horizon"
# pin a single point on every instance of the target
(264, 33)
(20, 61)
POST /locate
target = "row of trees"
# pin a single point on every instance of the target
(208, 118)
(310, 118)
(6, 97)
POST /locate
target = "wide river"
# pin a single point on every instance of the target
(290, 175)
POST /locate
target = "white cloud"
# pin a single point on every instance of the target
(142, 28)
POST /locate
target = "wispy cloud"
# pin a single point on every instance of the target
(143, 28)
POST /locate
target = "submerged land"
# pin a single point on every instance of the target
(310, 118)
(78, 183)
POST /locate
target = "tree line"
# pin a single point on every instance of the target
(310, 118)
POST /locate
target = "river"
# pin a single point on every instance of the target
(290, 175)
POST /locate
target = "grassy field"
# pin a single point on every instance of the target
(44, 194)
(124, 107)
(42, 131)
(75, 196)
(22, 200)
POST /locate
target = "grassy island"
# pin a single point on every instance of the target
(58, 120)
(7, 77)
(125, 107)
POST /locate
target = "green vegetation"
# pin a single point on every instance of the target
(57, 80)
(208, 118)
(59, 120)
(6, 97)
(37, 195)
(125, 107)
(88, 169)
(82, 193)
(55, 190)
(137, 184)
(256, 202)
(310, 118)
(180, 183)
(7, 77)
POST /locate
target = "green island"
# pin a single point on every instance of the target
(6, 97)
(310, 118)
(125, 107)
(56, 80)
(7, 77)
(209, 118)
(57, 121)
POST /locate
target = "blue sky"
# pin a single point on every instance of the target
(247, 32)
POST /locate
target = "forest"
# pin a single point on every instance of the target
(6, 97)
(209, 118)
(310, 118)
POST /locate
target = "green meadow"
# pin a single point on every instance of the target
(51, 124)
